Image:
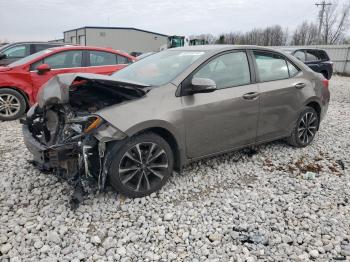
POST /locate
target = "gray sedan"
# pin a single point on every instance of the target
(166, 110)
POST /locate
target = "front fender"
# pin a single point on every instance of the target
(18, 81)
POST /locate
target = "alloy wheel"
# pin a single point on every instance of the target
(9, 105)
(143, 166)
(307, 127)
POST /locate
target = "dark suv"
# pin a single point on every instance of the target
(317, 59)
(11, 52)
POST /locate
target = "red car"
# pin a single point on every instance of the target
(21, 80)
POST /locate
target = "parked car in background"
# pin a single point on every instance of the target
(136, 54)
(21, 80)
(317, 59)
(168, 109)
(10, 53)
(144, 55)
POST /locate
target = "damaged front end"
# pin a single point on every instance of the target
(64, 132)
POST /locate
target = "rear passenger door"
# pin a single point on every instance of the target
(226, 118)
(281, 88)
(106, 63)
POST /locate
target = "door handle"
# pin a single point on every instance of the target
(251, 95)
(300, 85)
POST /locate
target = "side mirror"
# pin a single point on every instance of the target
(3, 56)
(43, 68)
(202, 85)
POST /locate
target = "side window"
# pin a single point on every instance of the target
(300, 55)
(40, 47)
(98, 58)
(316, 55)
(67, 59)
(227, 70)
(312, 55)
(323, 55)
(271, 66)
(123, 60)
(16, 51)
(293, 71)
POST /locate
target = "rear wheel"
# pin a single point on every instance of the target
(141, 166)
(12, 104)
(305, 130)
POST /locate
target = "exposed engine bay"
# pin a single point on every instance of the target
(71, 137)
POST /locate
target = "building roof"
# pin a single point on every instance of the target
(120, 28)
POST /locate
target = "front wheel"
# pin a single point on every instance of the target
(141, 166)
(305, 130)
(12, 104)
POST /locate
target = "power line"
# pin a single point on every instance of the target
(323, 5)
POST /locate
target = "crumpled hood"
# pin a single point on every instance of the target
(56, 90)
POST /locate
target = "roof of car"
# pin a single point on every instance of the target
(300, 48)
(77, 47)
(36, 42)
(222, 47)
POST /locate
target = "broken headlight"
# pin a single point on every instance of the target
(108, 132)
(93, 123)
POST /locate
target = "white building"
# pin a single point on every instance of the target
(127, 39)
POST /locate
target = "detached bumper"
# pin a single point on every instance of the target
(49, 158)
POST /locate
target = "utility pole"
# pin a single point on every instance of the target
(323, 5)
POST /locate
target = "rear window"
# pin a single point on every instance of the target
(300, 55)
(272, 66)
(40, 47)
(123, 60)
(100, 58)
(316, 55)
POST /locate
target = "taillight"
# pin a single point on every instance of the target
(325, 83)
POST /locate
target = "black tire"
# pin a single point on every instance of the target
(14, 109)
(120, 160)
(302, 137)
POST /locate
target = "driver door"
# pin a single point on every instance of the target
(226, 118)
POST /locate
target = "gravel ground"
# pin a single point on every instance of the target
(237, 207)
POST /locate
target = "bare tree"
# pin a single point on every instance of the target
(221, 40)
(305, 34)
(208, 38)
(269, 36)
(335, 24)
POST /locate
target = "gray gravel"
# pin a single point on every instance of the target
(235, 207)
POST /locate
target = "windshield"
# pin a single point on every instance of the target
(30, 58)
(158, 69)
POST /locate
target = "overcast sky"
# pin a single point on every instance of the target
(47, 19)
